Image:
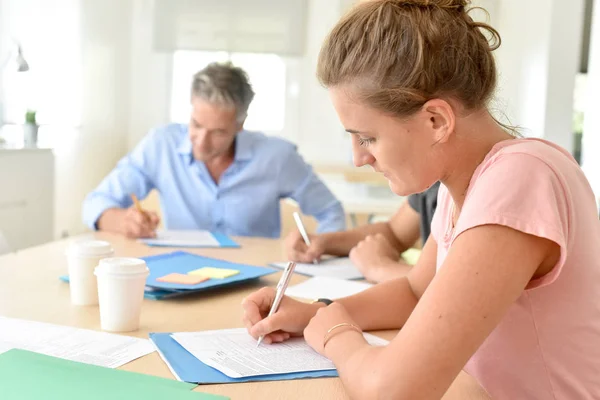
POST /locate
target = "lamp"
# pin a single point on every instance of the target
(21, 63)
(21, 66)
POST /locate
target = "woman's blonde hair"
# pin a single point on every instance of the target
(398, 54)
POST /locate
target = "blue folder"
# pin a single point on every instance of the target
(188, 368)
(224, 241)
(149, 293)
(183, 262)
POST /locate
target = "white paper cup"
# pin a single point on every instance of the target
(121, 283)
(82, 257)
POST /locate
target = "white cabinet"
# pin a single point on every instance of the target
(26, 196)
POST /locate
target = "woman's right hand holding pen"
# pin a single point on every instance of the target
(290, 319)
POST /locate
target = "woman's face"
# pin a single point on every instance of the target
(405, 151)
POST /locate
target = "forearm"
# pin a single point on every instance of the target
(388, 271)
(367, 373)
(111, 220)
(95, 205)
(340, 243)
(384, 306)
(352, 356)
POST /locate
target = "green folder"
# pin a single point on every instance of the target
(25, 375)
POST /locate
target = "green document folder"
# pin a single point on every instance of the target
(26, 376)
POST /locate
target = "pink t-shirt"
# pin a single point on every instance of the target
(548, 344)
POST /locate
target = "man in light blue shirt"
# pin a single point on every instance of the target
(212, 174)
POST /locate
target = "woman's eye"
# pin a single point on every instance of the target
(365, 141)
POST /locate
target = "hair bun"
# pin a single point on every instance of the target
(458, 5)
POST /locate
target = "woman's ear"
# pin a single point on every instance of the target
(441, 119)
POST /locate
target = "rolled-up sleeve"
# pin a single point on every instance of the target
(300, 183)
(132, 175)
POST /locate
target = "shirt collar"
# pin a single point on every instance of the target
(243, 147)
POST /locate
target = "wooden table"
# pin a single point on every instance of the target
(30, 289)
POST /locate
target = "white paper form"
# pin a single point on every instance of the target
(86, 346)
(341, 268)
(234, 353)
(330, 288)
(174, 238)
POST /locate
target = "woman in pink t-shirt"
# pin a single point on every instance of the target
(508, 285)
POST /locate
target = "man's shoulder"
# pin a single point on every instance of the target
(164, 139)
(272, 146)
(168, 133)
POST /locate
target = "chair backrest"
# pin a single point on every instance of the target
(287, 220)
(152, 203)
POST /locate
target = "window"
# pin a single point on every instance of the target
(267, 73)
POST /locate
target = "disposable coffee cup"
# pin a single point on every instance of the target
(82, 258)
(121, 283)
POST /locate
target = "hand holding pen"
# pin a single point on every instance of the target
(138, 222)
(281, 287)
(302, 230)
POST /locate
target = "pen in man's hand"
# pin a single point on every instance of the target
(302, 230)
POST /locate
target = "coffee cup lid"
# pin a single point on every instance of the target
(90, 248)
(121, 266)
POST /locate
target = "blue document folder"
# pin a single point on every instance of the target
(183, 262)
(149, 293)
(188, 368)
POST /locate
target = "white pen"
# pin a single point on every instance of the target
(281, 287)
(302, 230)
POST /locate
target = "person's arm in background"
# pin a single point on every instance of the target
(298, 181)
(378, 256)
(400, 233)
(109, 206)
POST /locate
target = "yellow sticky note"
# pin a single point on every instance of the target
(182, 279)
(216, 273)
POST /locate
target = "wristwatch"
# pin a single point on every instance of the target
(324, 301)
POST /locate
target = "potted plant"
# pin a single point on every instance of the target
(30, 129)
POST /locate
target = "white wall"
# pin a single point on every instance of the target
(591, 127)
(102, 137)
(538, 66)
(150, 78)
(79, 46)
(321, 137)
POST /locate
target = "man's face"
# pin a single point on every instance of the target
(212, 129)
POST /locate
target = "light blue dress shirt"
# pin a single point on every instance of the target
(245, 202)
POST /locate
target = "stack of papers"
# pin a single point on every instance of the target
(329, 288)
(234, 357)
(341, 268)
(191, 238)
(86, 346)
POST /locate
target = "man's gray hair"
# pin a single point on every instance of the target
(224, 84)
